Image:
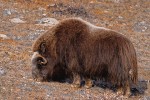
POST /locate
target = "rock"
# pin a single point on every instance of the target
(58, 12)
(47, 21)
(146, 97)
(142, 26)
(4, 36)
(2, 72)
(44, 14)
(115, 1)
(120, 17)
(8, 12)
(52, 5)
(42, 9)
(17, 20)
(77, 11)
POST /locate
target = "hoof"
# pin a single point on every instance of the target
(89, 84)
(76, 86)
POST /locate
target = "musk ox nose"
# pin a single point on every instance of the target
(36, 75)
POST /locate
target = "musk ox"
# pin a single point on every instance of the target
(76, 47)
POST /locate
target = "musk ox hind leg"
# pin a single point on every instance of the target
(130, 62)
(123, 70)
(118, 75)
(133, 82)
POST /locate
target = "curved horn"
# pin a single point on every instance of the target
(44, 61)
(36, 56)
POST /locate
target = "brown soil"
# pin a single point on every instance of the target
(130, 17)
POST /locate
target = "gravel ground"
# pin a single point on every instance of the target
(21, 22)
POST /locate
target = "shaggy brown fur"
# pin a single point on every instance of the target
(89, 52)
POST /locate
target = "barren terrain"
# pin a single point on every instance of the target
(22, 21)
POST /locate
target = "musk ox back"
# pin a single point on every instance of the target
(76, 47)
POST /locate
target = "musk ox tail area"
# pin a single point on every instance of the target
(128, 60)
(122, 63)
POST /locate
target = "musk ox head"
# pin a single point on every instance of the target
(45, 65)
(44, 58)
(40, 65)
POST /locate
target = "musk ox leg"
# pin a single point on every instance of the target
(125, 86)
(133, 82)
(76, 70)
(118, 77)
(89, 83)
(118, 72)
(77, 80)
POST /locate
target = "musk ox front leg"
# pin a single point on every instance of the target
(76, 70)
(77, 80)
(88, 83)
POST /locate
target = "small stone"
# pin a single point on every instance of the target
(17, 20)
(120, 17)
(52, 5)
(44, 14)
(18, 97)
(6, 12)
(42, 9)
(38, 82)
(2, 72)
(47, 21)
(146, 97)
(4, 36)
(142, 26)
(3, 88)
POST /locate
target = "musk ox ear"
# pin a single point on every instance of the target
(42, 47)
